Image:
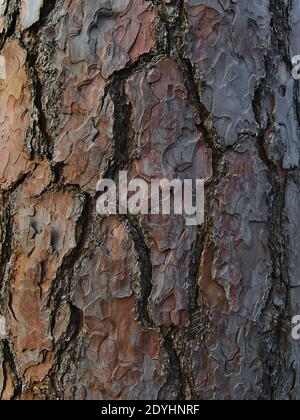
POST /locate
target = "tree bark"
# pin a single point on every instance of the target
(127, 307)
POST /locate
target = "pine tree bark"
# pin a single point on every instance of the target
(146, 307)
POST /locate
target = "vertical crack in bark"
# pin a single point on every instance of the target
(46, 10)
(65, 351)
(170, 43)
(274, 341)
(60, 294)
(123, 155)
(10, 371)
(6, 244)
(39, 142)
(12, 12)
(144, 259)
(175, 386)
(122, 124)
(174, 18)
(60, 287)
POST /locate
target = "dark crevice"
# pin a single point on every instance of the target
(64, 350)
(193, 272)
(62, 285)
(123, 157)
(121, 126)
(12, 13)
(123, 154)
(280, 25)
(6, 238)
(144, 258)
(11, 370)
(176, 24)
(172, 44)
(47, 8)
(40, 142)
(205, 125)
(274, 339)
(61, 290)
(174, 386)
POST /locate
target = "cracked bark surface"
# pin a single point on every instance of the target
(146, 307)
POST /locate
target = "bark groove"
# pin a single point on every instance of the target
(127, 307)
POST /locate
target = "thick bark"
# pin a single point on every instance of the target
(146, 307)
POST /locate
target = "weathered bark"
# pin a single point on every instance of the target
(146, 307)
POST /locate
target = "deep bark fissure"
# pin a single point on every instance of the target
(177, 342)
(274, 341)
(12, 12)
(10, 368)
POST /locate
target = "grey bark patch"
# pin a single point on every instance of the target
(3, 332)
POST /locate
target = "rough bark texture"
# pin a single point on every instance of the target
(145, 307)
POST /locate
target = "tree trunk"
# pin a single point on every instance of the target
(145, 307)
